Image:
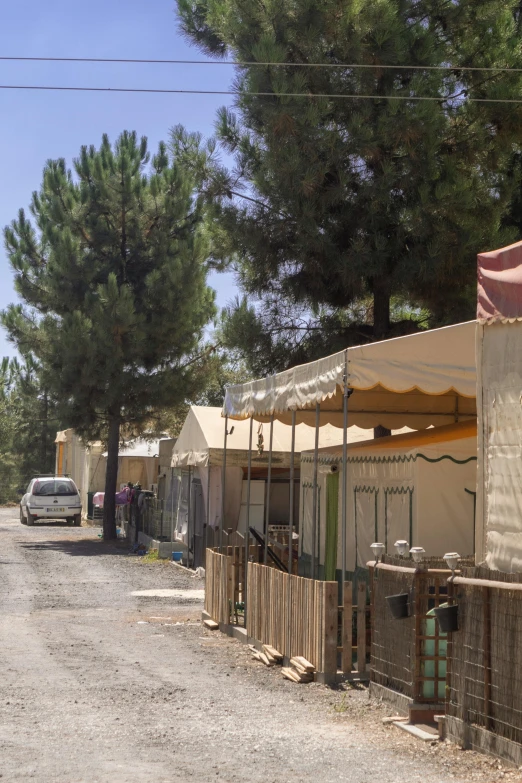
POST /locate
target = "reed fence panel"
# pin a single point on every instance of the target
(485, 681)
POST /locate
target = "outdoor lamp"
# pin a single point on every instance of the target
(378, 550)
(452, 560)
(401, 547)
(417, 553)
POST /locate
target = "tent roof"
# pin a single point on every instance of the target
(419, 380)
(201, 439)
(499, 288)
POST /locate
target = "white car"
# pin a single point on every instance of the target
(51, 497)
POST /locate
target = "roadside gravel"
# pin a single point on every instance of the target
(99, 685)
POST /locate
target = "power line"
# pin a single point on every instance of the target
(249, 64)
(344, 96)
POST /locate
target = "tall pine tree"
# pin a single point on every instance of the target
(113, 278)
(372, 200)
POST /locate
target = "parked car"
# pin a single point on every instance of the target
(51, 497)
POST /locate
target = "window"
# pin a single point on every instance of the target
(43, 487)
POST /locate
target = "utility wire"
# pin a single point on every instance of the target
(249, 64)
(343, 96)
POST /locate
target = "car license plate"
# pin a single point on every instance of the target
(56, 508)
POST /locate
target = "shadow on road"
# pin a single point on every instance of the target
(79, 548)
(51, 523)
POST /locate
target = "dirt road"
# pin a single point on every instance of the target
(99, 684)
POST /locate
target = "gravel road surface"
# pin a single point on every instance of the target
(99, 683)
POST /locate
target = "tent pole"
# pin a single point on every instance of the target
(344, 499)
(208, 514)
(288, 650)
(268, 486)
(172, 503)
(292, 493)
(223, 487)
(189, 510)
(314, 510)
(247, 523)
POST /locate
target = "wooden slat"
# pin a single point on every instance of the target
(361, 627)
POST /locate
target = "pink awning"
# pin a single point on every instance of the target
(500, 284)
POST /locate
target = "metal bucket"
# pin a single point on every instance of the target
(448, 617)
(399, 605)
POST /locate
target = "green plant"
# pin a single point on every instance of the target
(152, 556)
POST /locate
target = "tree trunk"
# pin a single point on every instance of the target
(111, 477)
(46, 466)
(381, 308)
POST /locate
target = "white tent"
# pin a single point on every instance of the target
(421, 380)
(197, 475)
(499, 401)
(201, 440)
(419, 487)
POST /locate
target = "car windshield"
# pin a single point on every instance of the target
(54, 487)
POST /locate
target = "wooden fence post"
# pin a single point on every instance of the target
(329, 628)
(486, 610)
(361, 627)
(418, 581)
(229, 569)
(346, 638)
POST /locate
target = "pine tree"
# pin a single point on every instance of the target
(35, 413)
(336, 200)
(8, 467)
(113, 278)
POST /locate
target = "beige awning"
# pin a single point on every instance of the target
(416, 381)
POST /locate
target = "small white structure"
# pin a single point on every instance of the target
(419, 487)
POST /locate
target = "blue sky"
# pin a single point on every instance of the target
(37, 126)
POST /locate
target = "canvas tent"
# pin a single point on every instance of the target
(85, 464)
(419, 487)
(499, 399)
(138, 461)
(198, 461)
(427, 379)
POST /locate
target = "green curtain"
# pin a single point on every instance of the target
(332, 506)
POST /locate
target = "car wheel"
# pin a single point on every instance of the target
(78, 520)
(30, 519)
(22, 518)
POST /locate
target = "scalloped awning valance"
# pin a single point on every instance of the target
(424, 379)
